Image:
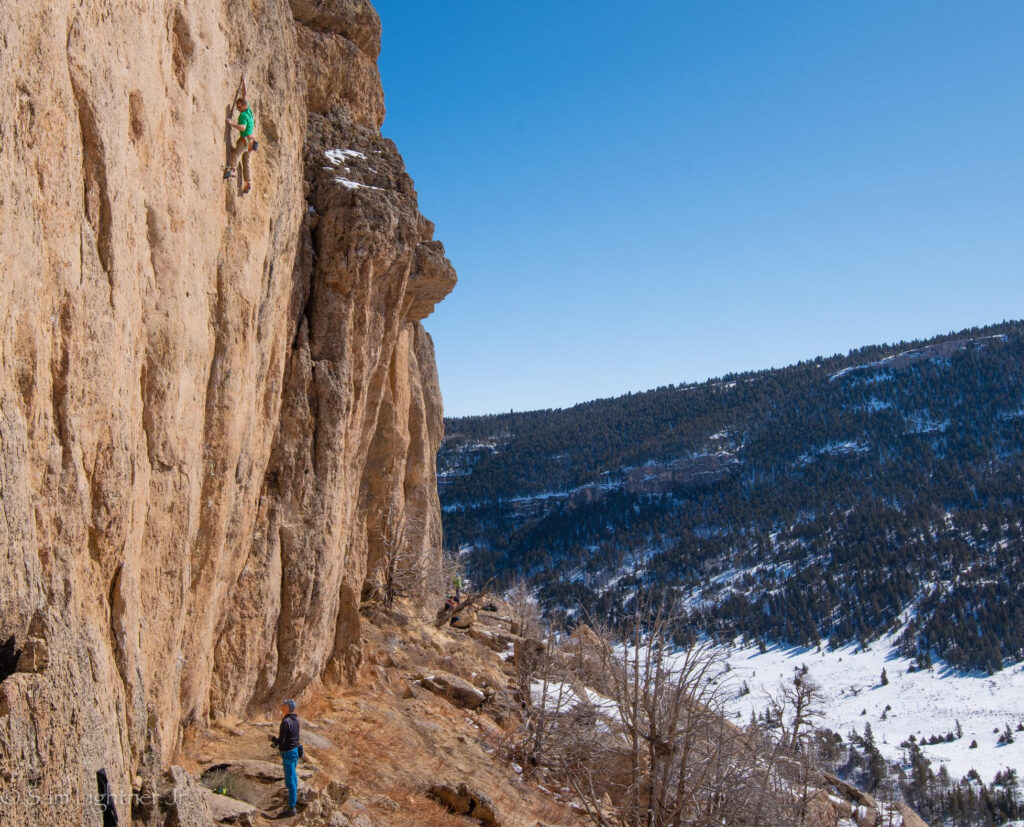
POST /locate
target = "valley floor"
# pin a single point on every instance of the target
(923, 703)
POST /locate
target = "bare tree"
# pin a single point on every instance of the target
(796, 704)
(439, 575)
(679, 745)
(805, 698)
(407, 561)
(650, 744)
(792, 710)
(526, 615)
(546, 697)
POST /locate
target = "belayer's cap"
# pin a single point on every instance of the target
(290, 704)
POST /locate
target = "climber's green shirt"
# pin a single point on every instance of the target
(245, 119)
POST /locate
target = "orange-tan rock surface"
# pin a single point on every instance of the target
(208, 403)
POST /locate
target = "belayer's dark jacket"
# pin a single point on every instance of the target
(288, 735)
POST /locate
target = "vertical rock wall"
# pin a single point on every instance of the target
(207, 402)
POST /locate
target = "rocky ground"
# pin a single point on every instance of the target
(418, 736)
(421, 738)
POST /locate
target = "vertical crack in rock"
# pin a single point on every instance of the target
(183, 47)
(96, 195)
(60, 367)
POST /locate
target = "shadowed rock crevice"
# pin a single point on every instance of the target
(9, 654)
(96, 193)
(182, 47)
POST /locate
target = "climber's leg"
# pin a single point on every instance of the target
(240, 149)
(245, 166)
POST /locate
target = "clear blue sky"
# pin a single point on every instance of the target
(639, 194)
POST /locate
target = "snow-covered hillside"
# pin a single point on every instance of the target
(923, 703)
(779, 505)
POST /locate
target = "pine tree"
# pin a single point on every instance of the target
(875, 762)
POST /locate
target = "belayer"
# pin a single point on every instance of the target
(245, 144)
(287, 743)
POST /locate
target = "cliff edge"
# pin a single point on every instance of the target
(209, 405)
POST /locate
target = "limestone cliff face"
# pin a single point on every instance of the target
(208, 403)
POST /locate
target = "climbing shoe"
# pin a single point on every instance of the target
(246, 188)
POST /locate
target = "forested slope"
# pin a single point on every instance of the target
(838, 498)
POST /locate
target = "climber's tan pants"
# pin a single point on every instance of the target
(241, 153)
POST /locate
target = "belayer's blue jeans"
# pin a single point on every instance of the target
(290, 758)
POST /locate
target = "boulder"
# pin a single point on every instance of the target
(850, 792)
(183, 799)
(227, 810)
(910, 818)
(357, 813)
(460, 692)
(865, 810)
(820, 810)
(494, 620)
(464, 619)
(383, 802)
(315, 741)
(338, 792)
(325, 807)
(488, 727)
(498, 641)
(462, 800)
(865, 816)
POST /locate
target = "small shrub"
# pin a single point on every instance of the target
(225, 782)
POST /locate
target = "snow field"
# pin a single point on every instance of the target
(923, 703)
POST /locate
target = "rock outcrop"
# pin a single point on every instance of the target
(208, 403)
(464, 801)
(459, 691)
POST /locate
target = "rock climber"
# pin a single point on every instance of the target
(245, 144)
(287, 743)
